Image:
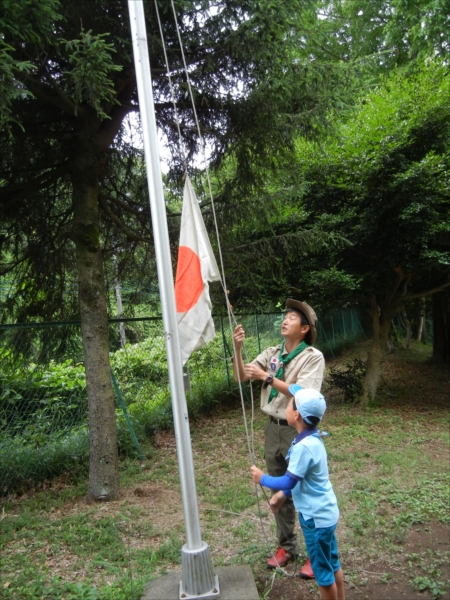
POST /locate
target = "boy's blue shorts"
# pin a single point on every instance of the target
(322, 550)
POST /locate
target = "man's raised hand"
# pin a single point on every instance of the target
(239, 337)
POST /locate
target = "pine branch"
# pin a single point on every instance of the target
(440, 288)
(44, 93)
(66, 102)
(124, 205)
(130, 234)
(110, 128)
(19, 191)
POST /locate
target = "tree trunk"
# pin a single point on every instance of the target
(407, 326)
(122, 336)
(381, 325)
(424, 331)
(103, 458)
(420, 329)
(441, 327)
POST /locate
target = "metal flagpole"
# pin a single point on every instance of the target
(198, 579)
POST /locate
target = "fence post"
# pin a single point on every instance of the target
(257, 334)
(329, 345)
(224, 342)
(127, 418)
(360, 326)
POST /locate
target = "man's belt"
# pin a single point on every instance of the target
(279, 421)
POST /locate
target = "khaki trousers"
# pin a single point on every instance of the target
(278, 440)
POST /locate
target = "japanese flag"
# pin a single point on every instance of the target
(196, 267)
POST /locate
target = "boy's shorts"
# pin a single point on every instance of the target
(322, 550)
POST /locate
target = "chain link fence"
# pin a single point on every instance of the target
(402, 332)
(43, 400)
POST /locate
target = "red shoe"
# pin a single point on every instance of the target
(306, 571)
(280, 559)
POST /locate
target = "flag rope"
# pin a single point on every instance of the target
(231, 318)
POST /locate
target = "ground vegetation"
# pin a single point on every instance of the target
(388, 464)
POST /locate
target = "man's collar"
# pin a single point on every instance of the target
(285, 352)
(301, 436)
(294, 346)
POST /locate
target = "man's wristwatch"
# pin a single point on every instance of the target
(268, 381)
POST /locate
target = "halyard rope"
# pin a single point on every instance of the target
(231, 318)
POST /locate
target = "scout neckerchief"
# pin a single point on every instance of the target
(283, 362)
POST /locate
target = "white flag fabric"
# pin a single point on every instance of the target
(195, 268)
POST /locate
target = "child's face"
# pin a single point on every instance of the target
(291, 413)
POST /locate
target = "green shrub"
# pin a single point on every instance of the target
(39, 407)
(349, 380)
(23, 462)
(42, 401)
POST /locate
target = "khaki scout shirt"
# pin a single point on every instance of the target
(306, 369)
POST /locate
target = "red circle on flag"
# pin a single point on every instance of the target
(188, 282)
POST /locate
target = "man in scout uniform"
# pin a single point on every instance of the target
(295, 361)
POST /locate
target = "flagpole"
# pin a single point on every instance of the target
(198, 578)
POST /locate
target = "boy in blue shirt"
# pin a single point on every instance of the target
(312, 492)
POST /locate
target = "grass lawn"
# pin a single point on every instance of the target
(389, 465)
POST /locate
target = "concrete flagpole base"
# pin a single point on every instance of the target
(236, 583)
(211, 595)
(198, 580)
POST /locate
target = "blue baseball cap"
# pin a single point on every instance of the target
(309, 402)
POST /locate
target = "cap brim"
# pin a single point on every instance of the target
(294, 388)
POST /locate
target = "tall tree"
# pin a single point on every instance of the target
(72, 192)
(346, 45)
(441, 328)
(382, 35)
(383, 184)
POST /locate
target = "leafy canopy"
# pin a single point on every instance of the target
(383, 182)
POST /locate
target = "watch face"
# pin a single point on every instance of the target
(267, 381)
